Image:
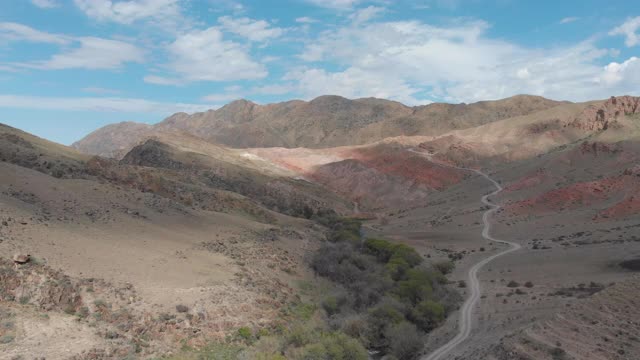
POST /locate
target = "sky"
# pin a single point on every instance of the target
(68, 67)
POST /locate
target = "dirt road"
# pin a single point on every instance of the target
(466, 312)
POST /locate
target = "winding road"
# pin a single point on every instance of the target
(466, 312)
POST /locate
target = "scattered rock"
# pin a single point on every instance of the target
(21, 258)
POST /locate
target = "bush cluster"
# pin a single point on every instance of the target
(391, 299)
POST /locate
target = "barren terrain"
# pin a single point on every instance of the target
(177, 239)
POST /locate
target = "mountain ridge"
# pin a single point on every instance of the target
(326, 121)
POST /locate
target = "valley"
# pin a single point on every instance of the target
(219, 230)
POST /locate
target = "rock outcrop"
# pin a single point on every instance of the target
(605, 115)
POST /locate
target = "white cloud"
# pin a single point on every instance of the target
(254, 30)
(206, 56)
(523, 73)
(100, 90)
(17, 32)
(405, 60)
(335, 4)
(93, 53)
(79, 52)
(624, 76)
(306, 20)
(569, 19)
(161, 80)
(275, 89)
(227, 5)
(98, 104)
(128, 12)
(222, 98)
(629, 29)
(233, 92)
(366, 14)
(45, 4)
(353, 83)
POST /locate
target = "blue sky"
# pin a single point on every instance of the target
(68, 67)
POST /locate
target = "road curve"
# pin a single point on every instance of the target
(466, 312)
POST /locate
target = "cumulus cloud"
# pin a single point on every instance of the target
(624, 76)
(79, 52)
(10, 31)
(415, 62)
(204, 55)
(254, 30)
(335, 4)
(352, 83)
(45, 4)
(230, 93)
(629, 30)
(569, 19)
(306, 20)
(366, 14)
(131, 11)
(98, 104)
(93, 53)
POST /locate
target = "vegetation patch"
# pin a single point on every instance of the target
(386, 297)
(633, 264)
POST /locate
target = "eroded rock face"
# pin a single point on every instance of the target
(605, 115)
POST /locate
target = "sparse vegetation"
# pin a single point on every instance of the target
(513, 284)
(445, 267)
(245, 334)
(389, 290)
(6, 339)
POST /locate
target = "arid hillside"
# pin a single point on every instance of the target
(327, 121)
(177, 238)
(167, 248)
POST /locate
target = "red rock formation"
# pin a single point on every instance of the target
(605, 115)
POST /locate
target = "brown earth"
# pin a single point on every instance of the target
(327, 121)
(222, 230)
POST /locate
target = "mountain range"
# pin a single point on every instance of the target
(147, 239)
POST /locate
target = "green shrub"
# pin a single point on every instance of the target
(245, 334)
(299, 336)
(444, 267)
(83, 312)
(7, 338)
(408, 254)
(385, 251)
(388, 313)
(397, 267)
(381, 249)
(335, 346)
(427, 315)
(262, 333)
(100, 303)
(416, 287)
(405, 341)
(330, 305)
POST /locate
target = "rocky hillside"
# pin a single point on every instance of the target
(327, 121)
